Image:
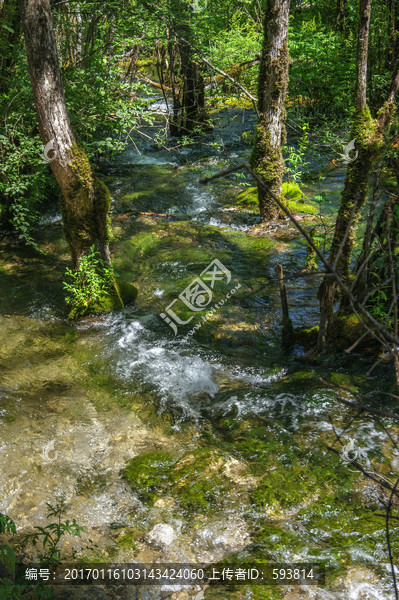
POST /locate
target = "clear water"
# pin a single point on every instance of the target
(77, 402)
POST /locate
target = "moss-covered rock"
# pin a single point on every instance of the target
(148, 474)
(293, 197)
(345, 330)
(128, 292)
(196, 481)
(107, 303)
(287, 487)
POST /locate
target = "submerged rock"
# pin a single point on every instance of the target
(162, 536)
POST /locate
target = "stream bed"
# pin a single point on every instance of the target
(205, 447)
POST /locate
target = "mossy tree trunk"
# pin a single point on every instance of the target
(85, 200)
(356, 182)
(368, 135)
(267, 159)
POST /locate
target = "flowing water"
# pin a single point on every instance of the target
(79, 401)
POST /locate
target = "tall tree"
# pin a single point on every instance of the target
(191, 99)
(368, 134)
(85, 200)
(267, 159)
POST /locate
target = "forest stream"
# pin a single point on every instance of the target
(230, 430)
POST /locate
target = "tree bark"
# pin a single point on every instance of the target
(356, 182)
(191, 102)
(362, 53)
(85, 200)
(287, 333)
(267, 159)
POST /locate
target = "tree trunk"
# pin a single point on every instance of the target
(356, 181)
(9, 34)
(267, 159)
(191, 104)
(174, 118)
(85, 200)
(341, 15)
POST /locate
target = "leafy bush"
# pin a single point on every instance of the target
(89, 284)
(322, 69)
(49, 538)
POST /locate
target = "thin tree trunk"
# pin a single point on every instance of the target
(174, 127)
(368, 135)
(267, 159)
(85, 200)
(193, 95)
(362, 53)
(341, 15)
(9, 34)
(356, 182)
(287, 333)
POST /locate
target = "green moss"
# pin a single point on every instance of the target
(345, 330)
(200, 495)
(299, 207)
(107, 304)
(267, 161)
(307, 335)
(292, 191)
(81, 166)
(148, 473)
(195, 481)
(128, 292)
(126, 540)
(198, 483)
(248, 198)
(289, 487)
(129, 199)
(292, 195)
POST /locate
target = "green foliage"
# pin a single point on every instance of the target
(89, 284)
(48, 539)
(49, 536)
(323, 67)
(296, 165)
(25, 183)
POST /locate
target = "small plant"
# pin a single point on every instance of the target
(90, 283)
(51, 535)
(296, 165)
(49, 538)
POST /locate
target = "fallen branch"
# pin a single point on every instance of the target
(233, 81)
(153, 84)
(231, 72)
